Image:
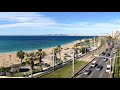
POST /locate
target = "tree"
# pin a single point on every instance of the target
(82, 50)
(5, 69)
(31, 57)
(41, 55)
(87, 40)
(21, 55)
(75, 51)
(57, 50)
(55, 55)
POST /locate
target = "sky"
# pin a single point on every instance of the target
(41, 23)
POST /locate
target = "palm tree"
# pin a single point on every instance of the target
(21, 55)
(55, 55)
(59, 51)
(41, 55)
(75, 51)
(31, 57)
(75, 48)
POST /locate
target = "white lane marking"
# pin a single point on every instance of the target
(95, 70)
(102, 72)
(105, 67)
(85, 69)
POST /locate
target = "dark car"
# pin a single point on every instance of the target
(105, 59)
(87, 72)
(107, 49)
(103, 53)
(99, 67)
(2, 74)
(108, 54)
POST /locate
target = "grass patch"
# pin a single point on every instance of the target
(117, 65)
(66, 71)
(18, 74)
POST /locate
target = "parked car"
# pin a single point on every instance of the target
(87, 72)
(99, 67)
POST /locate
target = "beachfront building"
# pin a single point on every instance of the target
(116, 34)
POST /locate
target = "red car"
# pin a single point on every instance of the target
(111, 46)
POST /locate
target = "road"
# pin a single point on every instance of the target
(98, 74)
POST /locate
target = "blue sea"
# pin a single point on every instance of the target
(15, 43)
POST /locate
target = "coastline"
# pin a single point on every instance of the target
(5, 59)
(44, 49)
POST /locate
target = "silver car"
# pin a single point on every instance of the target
(99, 67)
(87, 72)
(105, 59)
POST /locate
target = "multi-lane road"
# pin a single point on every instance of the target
(98, 74)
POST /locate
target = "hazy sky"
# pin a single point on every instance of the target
(38, 23)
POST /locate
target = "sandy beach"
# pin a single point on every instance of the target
(11, 58)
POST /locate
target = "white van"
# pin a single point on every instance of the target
(93, 64)
(108, 69)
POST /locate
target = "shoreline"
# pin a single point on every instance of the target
(7, 59)
(38, 48)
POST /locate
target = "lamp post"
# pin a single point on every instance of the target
(73, 69)
(53, 59)
(94, 41)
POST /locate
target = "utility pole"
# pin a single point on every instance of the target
(53, 59)
(85, 46)
(73, 64)
(100, 40)
(94, 41)
(105, 42)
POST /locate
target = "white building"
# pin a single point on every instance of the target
(116, 34)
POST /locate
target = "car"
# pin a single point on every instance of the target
(107, 49)
(2, 74)
(90, 67)
(105, 59)
(114, 52)
(99, 67)
(108, 68)
(87, 72)
(93, 64)
(103, 53)
(108, 54)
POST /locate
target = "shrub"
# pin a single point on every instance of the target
(25, 63)
(5, 69)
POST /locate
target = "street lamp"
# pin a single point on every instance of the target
(53, 59)
(73, 69)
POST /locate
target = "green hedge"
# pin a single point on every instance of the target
(5, 69)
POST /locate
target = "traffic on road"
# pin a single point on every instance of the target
(100, 67)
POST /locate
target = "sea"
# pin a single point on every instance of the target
(12, 44)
